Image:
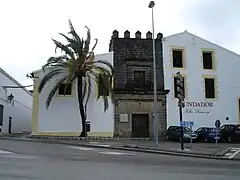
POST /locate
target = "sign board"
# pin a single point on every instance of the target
(187, 123)
(217, 123)
(123, 117)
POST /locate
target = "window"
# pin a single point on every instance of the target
(175, 87)
(103, 85)
(65, 89)
(139, 79)
(210, 88)
(207, 60)
(177, 56)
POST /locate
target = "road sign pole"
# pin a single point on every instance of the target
(180, 96)
(181, 119)
(217, 125)
(191, 136)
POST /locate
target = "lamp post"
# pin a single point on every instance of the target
(151, 5)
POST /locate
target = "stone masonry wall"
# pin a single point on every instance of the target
(132, 104)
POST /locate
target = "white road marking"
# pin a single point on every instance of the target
(94, 142)
(8, 154)
(5, 152)
(82, 148)
(228, 154)
(234, 154)
(103, 145)
(116, 153)
(103, 152)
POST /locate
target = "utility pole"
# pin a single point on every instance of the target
(151, 6)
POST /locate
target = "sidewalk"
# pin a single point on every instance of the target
(201, 150)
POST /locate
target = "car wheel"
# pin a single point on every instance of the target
(167, 138)
(229, 139)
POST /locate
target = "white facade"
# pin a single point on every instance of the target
(63, 116)
(20, 109)
(226, 75)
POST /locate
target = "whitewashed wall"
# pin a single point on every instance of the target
(227, 75)
(21, 111)
(63, 114)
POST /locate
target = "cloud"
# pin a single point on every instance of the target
(216, 20)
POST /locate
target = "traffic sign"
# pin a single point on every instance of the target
(187, 123)
(217, 123)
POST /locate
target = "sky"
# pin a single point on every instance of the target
(27, 26)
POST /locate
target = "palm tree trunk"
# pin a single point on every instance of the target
(81, 107)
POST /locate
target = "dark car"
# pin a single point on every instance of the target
(174, 133)
(206, 134)
(230, 132)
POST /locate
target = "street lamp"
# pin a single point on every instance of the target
(151, 5)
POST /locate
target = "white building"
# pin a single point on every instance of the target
(62, 118)
(15, 104)
(212, 80)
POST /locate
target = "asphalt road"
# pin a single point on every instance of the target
(38, 161)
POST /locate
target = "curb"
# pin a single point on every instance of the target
(85, 138)
(134, 149)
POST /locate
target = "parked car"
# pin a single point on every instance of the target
(230, 132)
(174, 133)
(206, 134)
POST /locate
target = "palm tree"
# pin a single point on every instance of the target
(77, 63)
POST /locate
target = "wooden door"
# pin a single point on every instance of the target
(140, 125)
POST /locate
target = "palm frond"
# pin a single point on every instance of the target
(73, 32)
(102, 70)
(64, 48)
(71, 69)
(87, 42)
(47, 77)
(56, 61)
(75, 45)
(53, 91)
(107, 85)
(108, 64)
(90, 56)
(105, 103)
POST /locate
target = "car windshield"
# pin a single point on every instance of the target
(186, 129)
